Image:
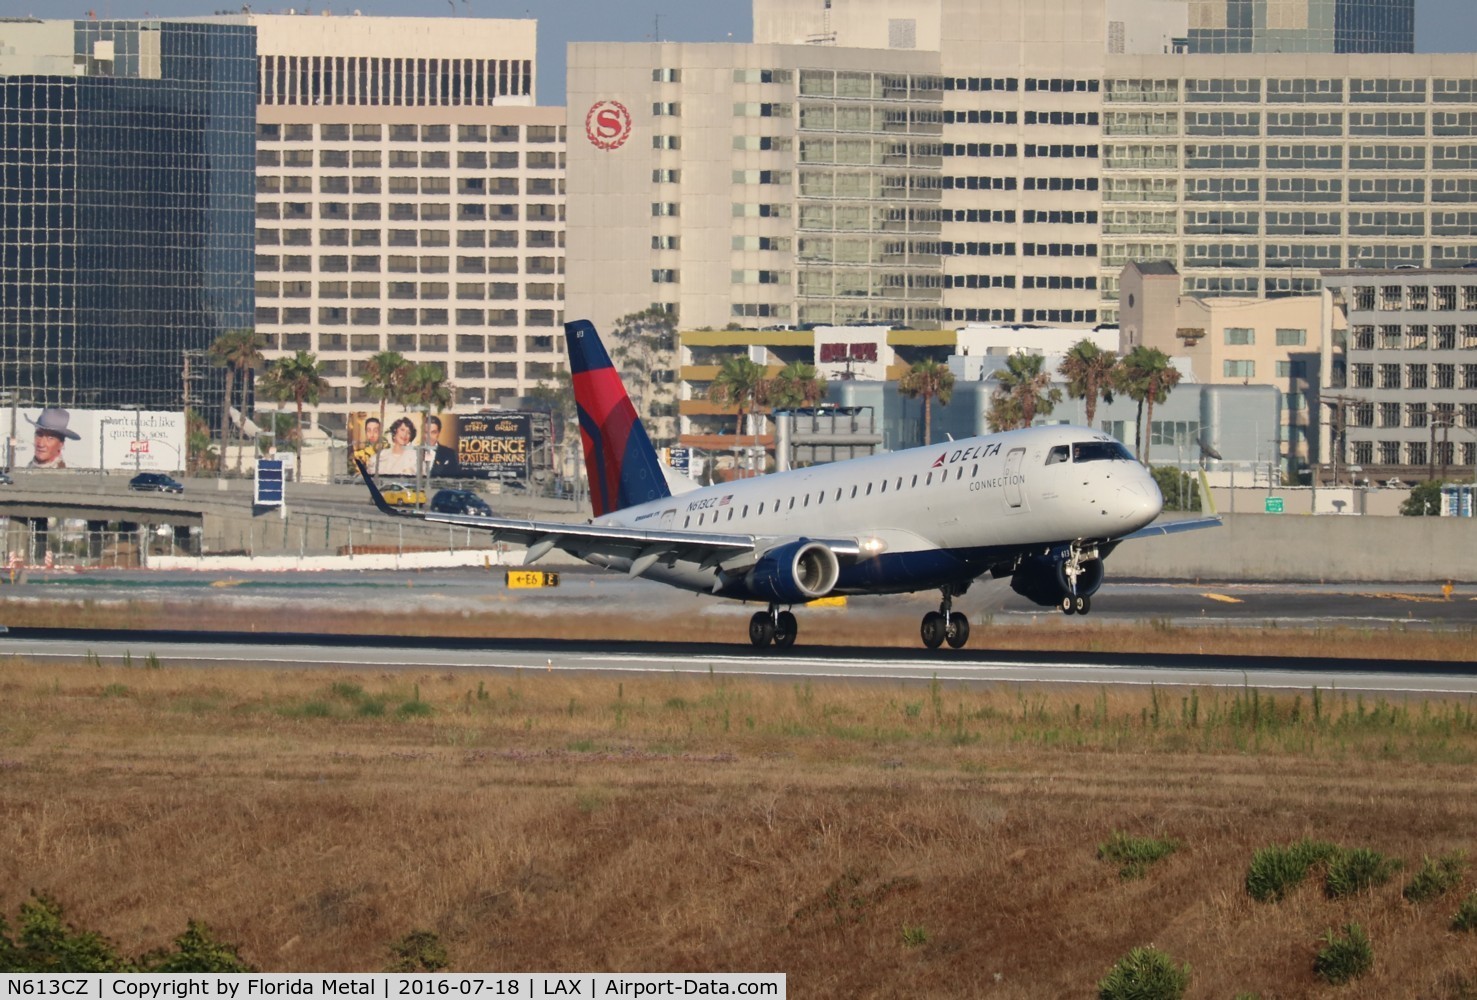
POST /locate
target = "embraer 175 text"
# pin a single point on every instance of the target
(1042, 506)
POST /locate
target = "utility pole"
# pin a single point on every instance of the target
(1339, 404)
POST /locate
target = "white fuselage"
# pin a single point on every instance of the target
(974, 501)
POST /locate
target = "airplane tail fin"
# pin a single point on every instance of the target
(621, 463)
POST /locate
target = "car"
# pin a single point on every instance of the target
(459, 502)
(155, 482)
(403, 495)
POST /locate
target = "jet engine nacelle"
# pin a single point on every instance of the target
(794, 573)
(1044, 580)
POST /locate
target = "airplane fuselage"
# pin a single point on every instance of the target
(922, 518)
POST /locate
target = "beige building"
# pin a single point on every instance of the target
(410, 198)
(1086, 146)
(762, 185)
(1234, 341)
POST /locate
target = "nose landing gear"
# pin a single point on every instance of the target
(945, 625)
(773, 626)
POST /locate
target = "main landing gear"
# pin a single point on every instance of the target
(945, 625)
(773, 626)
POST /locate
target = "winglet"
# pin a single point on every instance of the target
(374, 492)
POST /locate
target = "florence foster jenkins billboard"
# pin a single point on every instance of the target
(448, 445)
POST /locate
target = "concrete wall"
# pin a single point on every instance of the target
(1291, 548)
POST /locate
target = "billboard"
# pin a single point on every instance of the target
(111, 440)
(497, 445)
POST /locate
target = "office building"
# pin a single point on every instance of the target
(1219, 26)
(126, 195)
(1077, 154)
(1404, 403)
(1235, 341)
(410, 198)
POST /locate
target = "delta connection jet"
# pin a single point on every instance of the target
(1043, 506)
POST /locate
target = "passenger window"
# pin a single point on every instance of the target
(838, 492)
(869, 489)
(853, 493)
(730, 513)
(687, 521)
(884, 486)
(900, 481)
(761, 510)
(746, 510)
(1057, 454)
(792, 503)
(974, 472)
(915, 481)
(926, 482)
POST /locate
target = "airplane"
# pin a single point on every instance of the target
(1043, 506)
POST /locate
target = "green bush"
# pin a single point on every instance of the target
(1134, 855)
(915, 937)
(1437, 877)
(1356, 870)
(1276, 871)
(1465, 918)
(47, 943)
(418, 951)
(196, 951)
(1344, 956)
(1145, 974)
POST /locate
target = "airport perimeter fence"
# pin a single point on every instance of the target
(82, 545)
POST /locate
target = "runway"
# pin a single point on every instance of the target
(970, 666)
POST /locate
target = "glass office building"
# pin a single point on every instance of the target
(126, 193)
(1218, 26)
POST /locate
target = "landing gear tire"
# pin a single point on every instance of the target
(958, 630)
(1083, 604)
(762, 630)
(785, 630)
(934, 629)
(1068, 604)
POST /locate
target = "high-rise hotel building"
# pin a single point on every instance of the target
(409, 198)
(920, 162)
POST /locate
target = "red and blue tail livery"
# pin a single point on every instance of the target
(623, 467)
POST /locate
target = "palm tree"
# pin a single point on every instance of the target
(931, 380)
(197, 442)
(299, 378)
(425, 387)
(740, 382)
(1026, 383)
(384, 376)
(237, 351)
(797, 385)
(1088, 370)
(1146, 376)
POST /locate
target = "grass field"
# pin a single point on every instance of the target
(890, 840)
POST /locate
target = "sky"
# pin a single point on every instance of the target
(1441, 25)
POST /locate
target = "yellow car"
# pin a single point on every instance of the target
(402, 495)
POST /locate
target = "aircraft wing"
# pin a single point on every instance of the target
(1172, 527)
(643, 547)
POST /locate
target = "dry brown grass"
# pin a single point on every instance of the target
(542, 822)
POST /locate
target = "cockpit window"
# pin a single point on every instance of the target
(1057, 454)
(1100, 451)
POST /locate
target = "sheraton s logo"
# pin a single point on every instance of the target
(608, 124)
